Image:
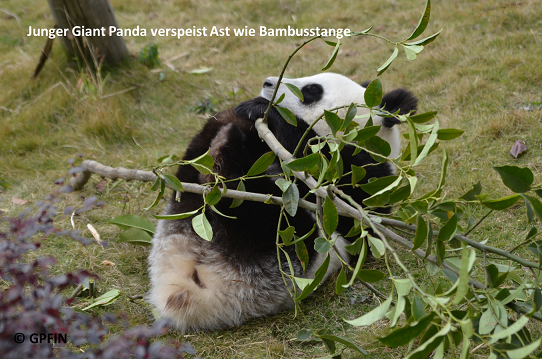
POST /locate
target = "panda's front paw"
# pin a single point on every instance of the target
(252, 109)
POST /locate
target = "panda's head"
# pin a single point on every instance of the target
(321, 92)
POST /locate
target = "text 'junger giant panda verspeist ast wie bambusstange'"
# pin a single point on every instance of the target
(215, 284)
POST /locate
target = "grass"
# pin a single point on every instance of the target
(482, 68)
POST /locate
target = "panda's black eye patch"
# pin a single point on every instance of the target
(312, 93)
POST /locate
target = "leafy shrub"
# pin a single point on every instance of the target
(148, 56)
(31, 301)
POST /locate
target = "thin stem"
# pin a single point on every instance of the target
(478, 223)
(282, 74)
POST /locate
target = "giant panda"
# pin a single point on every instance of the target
(205, 285)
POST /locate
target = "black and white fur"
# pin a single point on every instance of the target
(211, 285)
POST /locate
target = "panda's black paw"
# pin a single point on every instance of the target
(252, 109)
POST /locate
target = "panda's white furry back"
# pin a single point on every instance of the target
(210, 285)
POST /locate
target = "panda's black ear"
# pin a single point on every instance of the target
(364, 84)
(252, 109)
(399, 100)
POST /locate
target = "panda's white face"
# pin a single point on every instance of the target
(321, 92)
(326, 91)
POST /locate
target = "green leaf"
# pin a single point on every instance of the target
(371, 275)
(302, 254)
(535, 203)
(410, 53)
(403, 336)
(333, 121)
(344, 341)
(331, 217)
(350, 114)
(519, 180)
(430, 343)
(318, 276)
(413, 141)
(501, 203)
(136, 236)
(388, 62)
(421, 232)
(321, 245)
(406, 153)
(214, 196)
(177, 216)
(400, 193)
(366, 133)
(463, 285)
(204, 163)
(202, 169)
(304, 335)
(355, 247)
(159, 196)
(290, 199)
(537, 300)
(214, 209)
(297, 239)
(287, 115)
(287, 235)
(156, 185)
(366, 31)
(130, 220)
(418, 308)
(374, 315)
(236, 201)
(261, 164)
(428, 144)
(492, 275)
(382, 197)
(532, 232)
(440, 251)
(280, 99)
(173, 182)
(530, 212)
(341, 280)
(425, 41)
(333, 56)
(525, 351)
(378, 145)
(361, 260)
(358, 173)
(447, 231)
(304, 163)
(283, 184)
(512, 329)
(378, 184)
(295, 91)
(373, 93)
(471, 195)
(423, 117)
(377, 247)
(422, 23)
(488, 321)
(202, 227)
(105, 299)
(447, 134)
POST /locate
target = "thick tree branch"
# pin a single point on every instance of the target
(89, 167)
